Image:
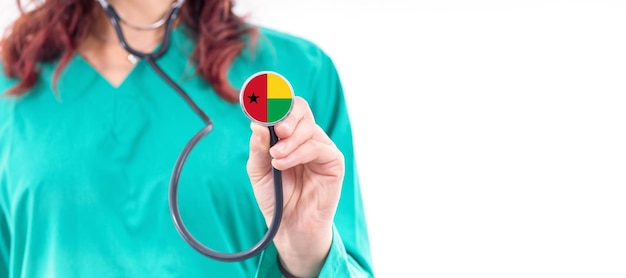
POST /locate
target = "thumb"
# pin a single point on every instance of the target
(259, 161)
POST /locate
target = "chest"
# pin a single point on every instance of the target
(111, 148)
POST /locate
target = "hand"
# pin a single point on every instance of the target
(312, 170)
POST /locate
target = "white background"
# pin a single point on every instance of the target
(490, 135)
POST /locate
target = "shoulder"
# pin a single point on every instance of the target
(6, 83)
(286, 51)
(302, 61)
(6, 101)
(288, 42)
(294, 48)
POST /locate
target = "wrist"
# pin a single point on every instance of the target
(284, 272)
(303, 254)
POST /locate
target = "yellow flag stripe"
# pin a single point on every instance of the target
(277, 87)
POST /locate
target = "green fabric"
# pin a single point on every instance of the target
(84, 173)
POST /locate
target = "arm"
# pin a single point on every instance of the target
(324, 231)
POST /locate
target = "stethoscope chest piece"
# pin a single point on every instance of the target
(266, 98)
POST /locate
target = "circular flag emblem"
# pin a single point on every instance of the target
(266, 98)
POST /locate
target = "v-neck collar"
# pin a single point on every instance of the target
(80, 77)
(83, 63)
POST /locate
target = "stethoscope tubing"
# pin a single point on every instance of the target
(151, 58)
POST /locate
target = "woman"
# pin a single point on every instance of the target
(89, 135)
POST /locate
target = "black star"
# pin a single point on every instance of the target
(253, 98)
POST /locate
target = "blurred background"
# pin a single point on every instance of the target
(490, 135)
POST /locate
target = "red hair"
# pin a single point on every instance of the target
(52, 30)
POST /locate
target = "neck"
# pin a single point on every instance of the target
(101, 47)
(142, 12)
(134, 13)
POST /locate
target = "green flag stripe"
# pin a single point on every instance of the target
(277, 108)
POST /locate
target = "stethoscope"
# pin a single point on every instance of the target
(151, 58)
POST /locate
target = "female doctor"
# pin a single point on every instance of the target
(90, 132)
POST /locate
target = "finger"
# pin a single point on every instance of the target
(261, 137)
(299, 112)
(259, 159)
(304, 131)
(314, 153)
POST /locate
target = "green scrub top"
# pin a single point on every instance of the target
(85, 169)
